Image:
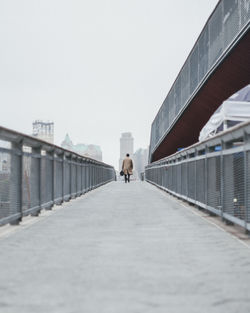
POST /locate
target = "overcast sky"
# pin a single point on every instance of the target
(96, 68)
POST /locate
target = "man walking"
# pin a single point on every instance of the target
(127, 167)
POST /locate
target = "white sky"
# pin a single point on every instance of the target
(97, 68)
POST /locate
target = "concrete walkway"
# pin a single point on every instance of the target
(124, 248)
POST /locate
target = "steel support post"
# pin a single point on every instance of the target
(222, 178)
(81, 167)
(195, 175)
(90, 175)
(206, 176)
(63, 175)
(70, 176)
(16, 182)
(187, 176)
(245, 182)
(85, 176)
(37, 154)
(75, 173)
(50, 156)
(61, 168)
(94, 175)
(53, 176)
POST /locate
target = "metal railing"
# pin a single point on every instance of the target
(214, 174)
(227, 24)
(35, 175)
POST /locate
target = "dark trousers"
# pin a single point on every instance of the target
(127, 178)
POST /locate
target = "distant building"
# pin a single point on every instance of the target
(140, 160)
(126, 146)
(67, 143)
(91, 151)
(44, 130)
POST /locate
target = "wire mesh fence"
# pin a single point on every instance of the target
(35, 175)
(229, 21)
(214, 174)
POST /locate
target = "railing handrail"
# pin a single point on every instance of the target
(213, 174)
(42, 175)
(17, 137)
(240, 128)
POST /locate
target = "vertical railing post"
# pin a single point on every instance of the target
(81, 167)
(53, 177)
(60, 167)
(50, 157)
(161, 169)
(88, 174)
(37, 154)
(195, 175)
(95, 175)
(66, 177)
(76, 167)
(91, 175)
(181, 161)
(80, 171)
(245, 181)
(63, 176)
(187, 176)
(16, 182)
(206, 176)
(85, 175)
(70, 176)
(222, 179)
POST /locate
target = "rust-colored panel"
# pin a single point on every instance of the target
(230, 76)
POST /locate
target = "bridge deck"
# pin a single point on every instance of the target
(123, 248)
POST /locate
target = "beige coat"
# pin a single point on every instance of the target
(127, 166)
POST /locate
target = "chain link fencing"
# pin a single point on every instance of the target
(36, 175)
(213, 174)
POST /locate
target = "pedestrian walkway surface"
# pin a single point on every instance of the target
(123, 248)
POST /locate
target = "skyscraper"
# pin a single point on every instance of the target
(140, 161)
(126, 146)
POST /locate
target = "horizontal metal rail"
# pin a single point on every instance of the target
(36, 175)
(227, 24)
(213, 174)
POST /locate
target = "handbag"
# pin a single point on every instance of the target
(121, 173)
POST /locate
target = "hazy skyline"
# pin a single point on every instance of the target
(96, 68)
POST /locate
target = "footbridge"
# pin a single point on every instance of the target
(73, 239)
(123, 248)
